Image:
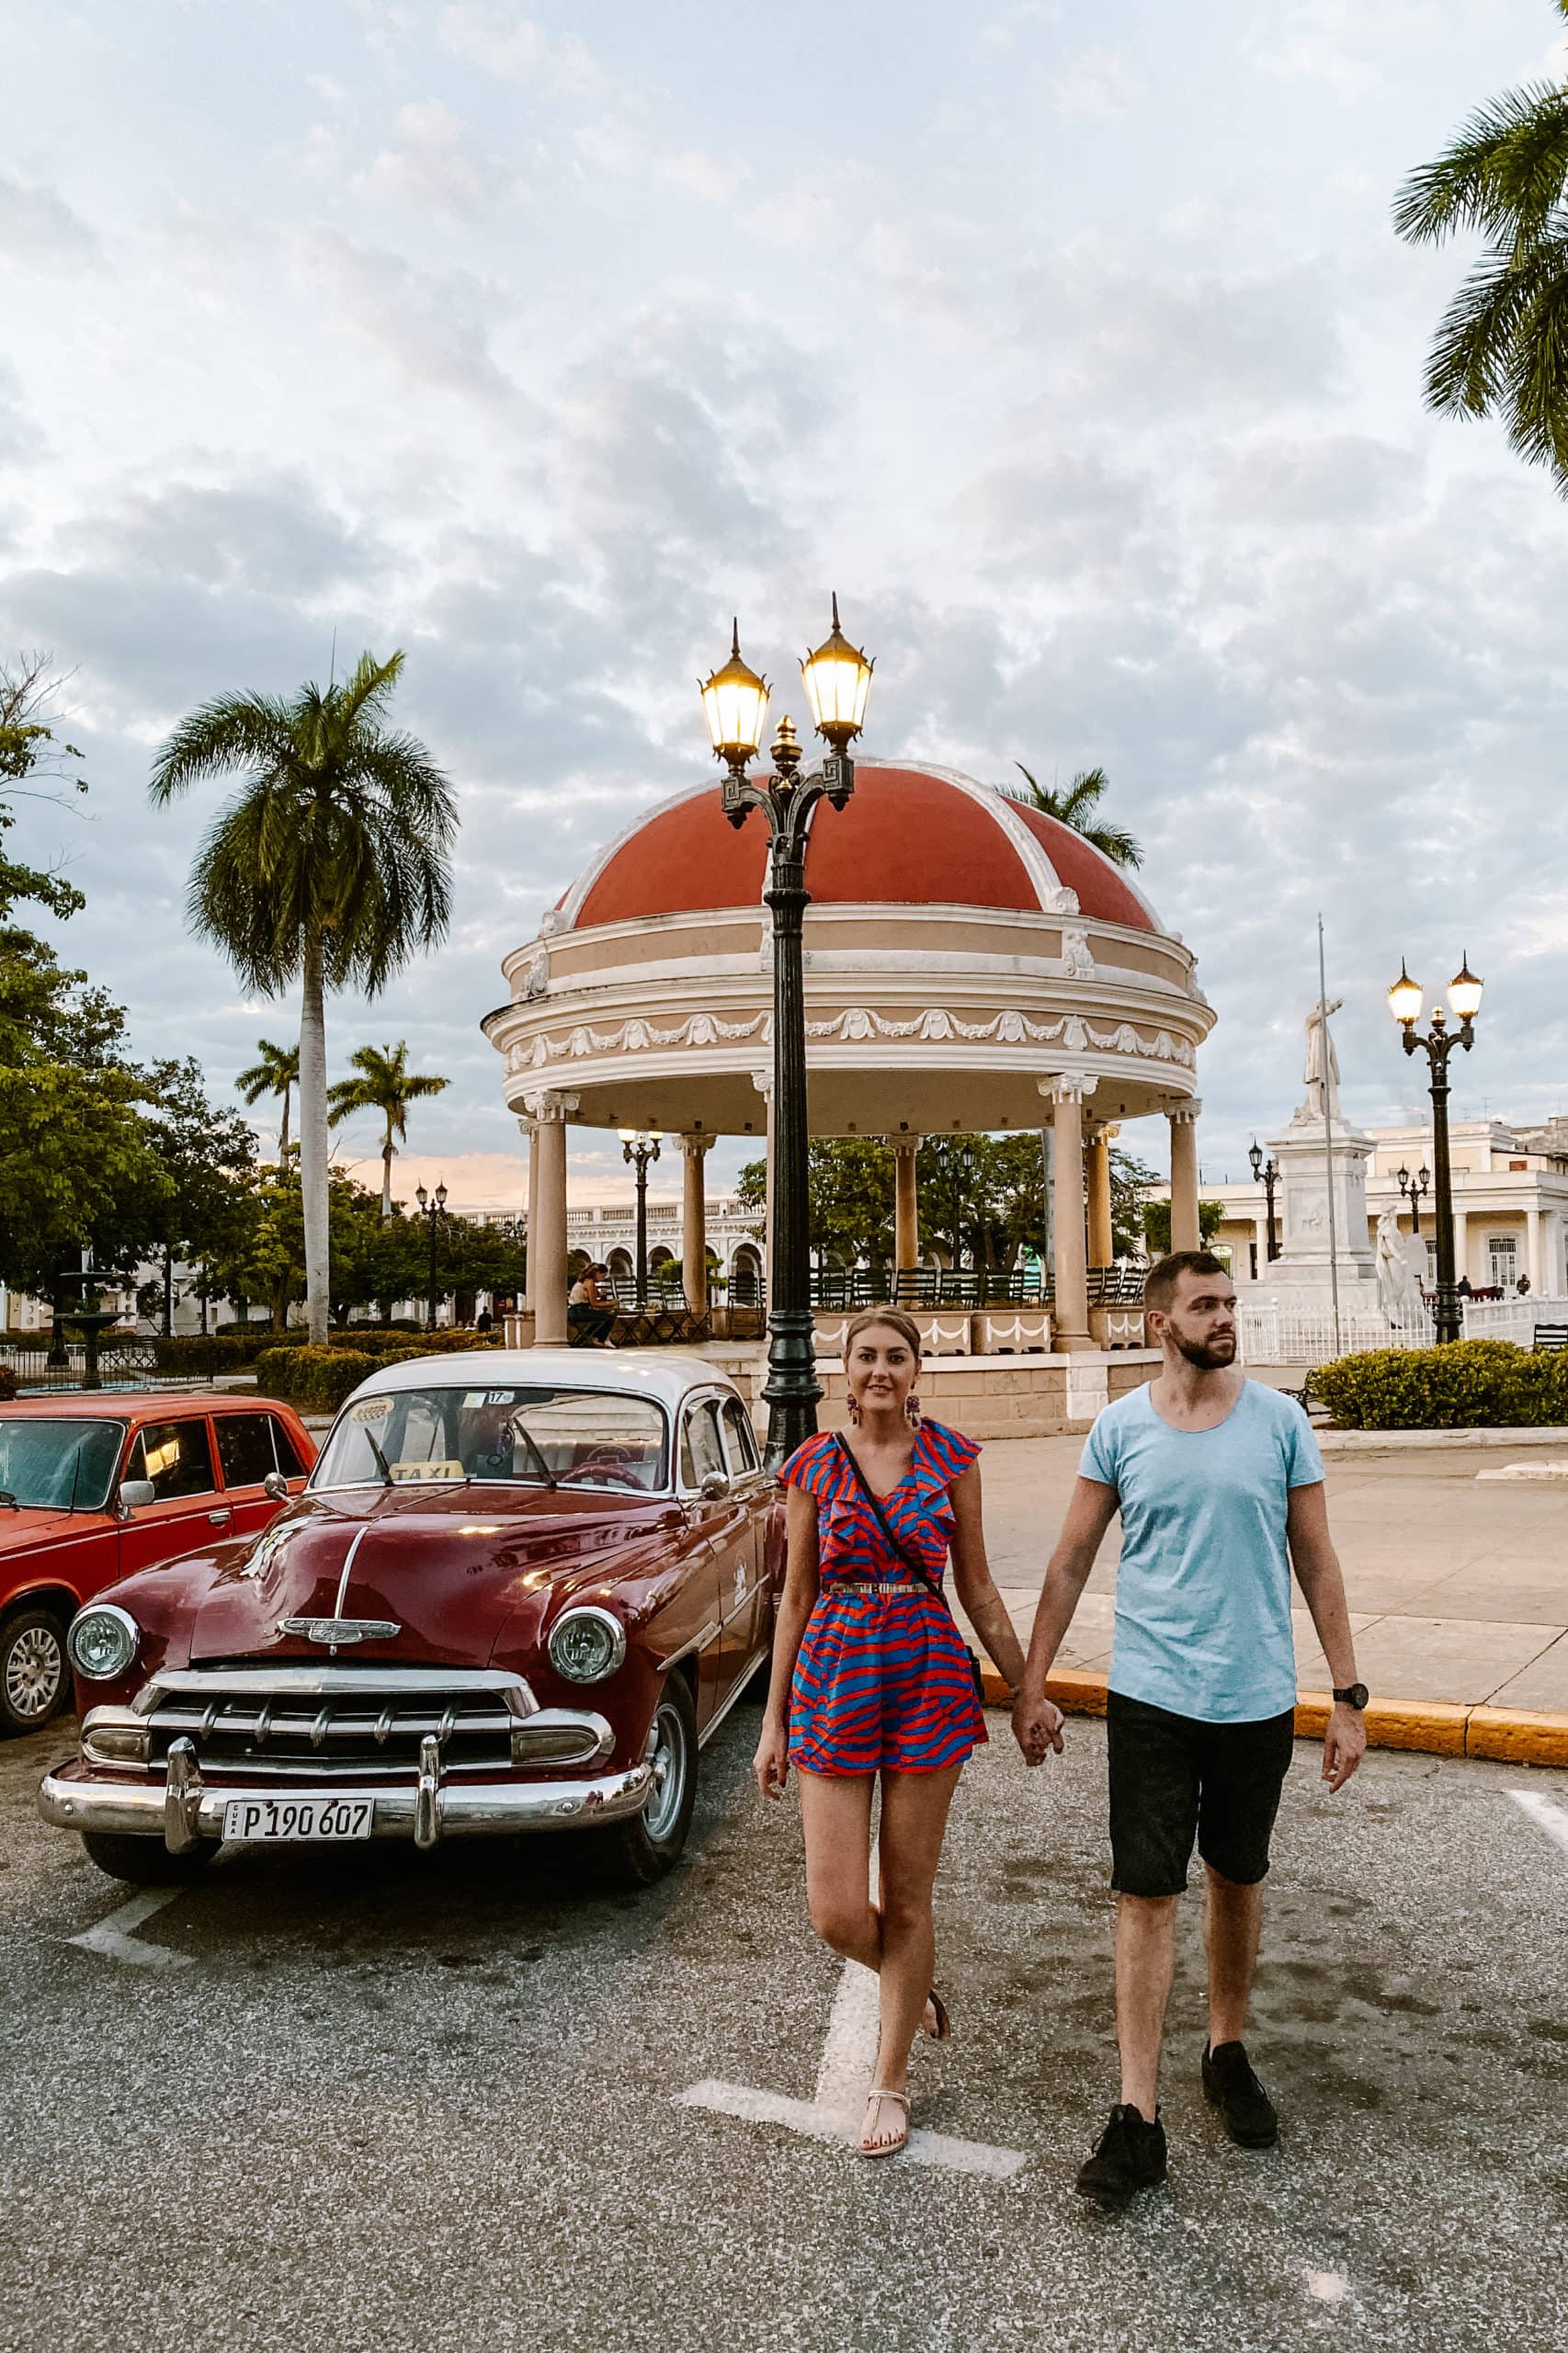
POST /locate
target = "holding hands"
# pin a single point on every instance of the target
(1036, 1726)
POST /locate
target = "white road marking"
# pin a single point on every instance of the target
(1546, 1815)
(1327, 2287)
(845, 2077)
(115, 1938)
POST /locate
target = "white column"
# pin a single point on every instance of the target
(1462, 1245)
(1185, 1230)
(694, 1224)
(1101, 1247)
(1533, 1253)
(532, 1196)
(547, 1242)
(906, 1201)
(763, 1082)
(1070, 1316)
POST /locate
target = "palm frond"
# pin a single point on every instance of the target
(1537, 399)
(1502, 175)
(251, 732)
(1472, 356)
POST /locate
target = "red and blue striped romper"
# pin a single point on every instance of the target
(882, 1679)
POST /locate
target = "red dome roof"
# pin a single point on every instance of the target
(910, 836)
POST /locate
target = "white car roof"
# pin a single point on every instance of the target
(666, 1375)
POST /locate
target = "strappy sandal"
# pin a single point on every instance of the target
(943, 2030)
(891, 2148)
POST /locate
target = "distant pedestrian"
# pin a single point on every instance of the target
(1463, 1286)
(1521, 1289)
(589, 1313)
(1218, 1483)
(872, 1680)
(484, 1321)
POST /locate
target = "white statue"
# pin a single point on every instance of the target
(1322, 1063)
(1399, 1291)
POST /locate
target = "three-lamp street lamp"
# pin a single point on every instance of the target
(1269, 1175)
(639, 1149)
(837, 678)
(1464, 1001)
(432, 1208)
(1412, 1189)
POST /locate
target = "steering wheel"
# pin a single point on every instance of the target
(609, 1464)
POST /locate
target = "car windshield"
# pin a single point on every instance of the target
(535, 1436)
(58, 1465)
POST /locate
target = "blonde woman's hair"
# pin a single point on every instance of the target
(894, 1319)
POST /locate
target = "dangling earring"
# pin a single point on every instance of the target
(855, 1413)
(912, 1409)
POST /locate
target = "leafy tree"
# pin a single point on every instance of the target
(1076, 808)
(275, 1073)
(1501, 348)
(385, 1083)
(76, 1171)
(330, 867)
(1130, 1179)
(1157, 1225)
(208, 1159)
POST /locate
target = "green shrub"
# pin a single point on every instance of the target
(8, 1383)
(317, 1380)
(1471, 1384)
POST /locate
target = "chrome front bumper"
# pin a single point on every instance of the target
(183, 1811)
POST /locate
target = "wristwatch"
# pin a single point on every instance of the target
(1354, 1695)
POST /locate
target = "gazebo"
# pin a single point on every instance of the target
(971, 965)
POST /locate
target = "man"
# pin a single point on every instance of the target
(1214, 1477)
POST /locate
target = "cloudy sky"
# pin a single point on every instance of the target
(1070, 344)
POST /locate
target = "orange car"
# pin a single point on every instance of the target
(95, 1485)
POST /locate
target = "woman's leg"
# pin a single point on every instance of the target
(835, 1814)
(914, 1817)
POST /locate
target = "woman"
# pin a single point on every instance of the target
(587, 1310)
(870, 1676)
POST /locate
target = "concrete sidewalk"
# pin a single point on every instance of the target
(1458, 1584)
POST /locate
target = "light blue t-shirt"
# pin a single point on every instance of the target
(1203, 1591)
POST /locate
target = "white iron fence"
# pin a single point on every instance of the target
(1306, 1335)
(1511, 1319)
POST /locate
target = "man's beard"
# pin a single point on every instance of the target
(1206, 1358)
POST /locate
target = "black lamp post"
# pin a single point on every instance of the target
(639, 1149)
(1269, 1175)
(432, 1208)
(1404, 1002)
(1412, 1189)
(837, 679)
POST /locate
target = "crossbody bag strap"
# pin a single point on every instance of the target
(895, 1543)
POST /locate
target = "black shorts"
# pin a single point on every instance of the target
(1174, 1778)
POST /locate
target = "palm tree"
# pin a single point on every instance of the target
(1076, 806)
(330, 867)
(278, 1072)
(386, 1085)
(1501, 348)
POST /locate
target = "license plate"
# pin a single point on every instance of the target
(297, 1818)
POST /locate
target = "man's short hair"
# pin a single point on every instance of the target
(1160, 1284)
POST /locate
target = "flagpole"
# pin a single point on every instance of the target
(1328, 1139)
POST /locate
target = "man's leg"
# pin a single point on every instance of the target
(1145, 1945)
(1233, 1919)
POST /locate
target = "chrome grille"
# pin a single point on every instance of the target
(352, 1724)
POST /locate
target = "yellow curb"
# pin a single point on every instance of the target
(1436, 1727)
(1517, 1736)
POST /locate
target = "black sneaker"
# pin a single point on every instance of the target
(1130, 2155)
(1245, 2110)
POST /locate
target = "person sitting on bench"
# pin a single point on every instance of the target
(590, 1314)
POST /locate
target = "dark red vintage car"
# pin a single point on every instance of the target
(94, 1487)
(519, 1593)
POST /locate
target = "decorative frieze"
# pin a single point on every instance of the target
(856, 1025)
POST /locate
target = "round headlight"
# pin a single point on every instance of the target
(103, 1641)
(586, 1645)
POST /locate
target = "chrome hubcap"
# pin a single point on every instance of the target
(35, 1670)
(669, 1774)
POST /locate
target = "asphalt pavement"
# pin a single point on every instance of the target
(369, 2098)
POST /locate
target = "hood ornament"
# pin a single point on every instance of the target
(335, 1631)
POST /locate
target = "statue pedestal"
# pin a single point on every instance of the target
(1309, 1173)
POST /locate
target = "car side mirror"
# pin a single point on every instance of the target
(135, 1495)
(277, 1486)
(714, 1486)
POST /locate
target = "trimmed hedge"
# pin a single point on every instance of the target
(1470, 1384)
(319, 1378)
